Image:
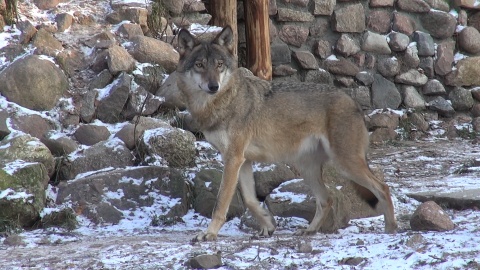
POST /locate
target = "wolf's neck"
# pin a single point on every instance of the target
(211, 110)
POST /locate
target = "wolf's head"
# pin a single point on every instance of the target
(207, 65)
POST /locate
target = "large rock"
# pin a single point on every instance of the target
(445, 57)
(113, 195)
(33, 82)
(27, 148)
(469, 40)
(342, 66)
(119, 60)
(112, 98)
(206, 184)
(32, 124)
(375, 43)
(429, 216)
(106, 154)
(388, 67)
(168, 144)
(349, 19)
(411, 77)
(434, 18)
(442, 106)
(290, 15)
(91, 134)
(415, 6)
(150, 50)
(132, 132)
(293, 35)
(22, 193)
(466, 73)
(322, 7)
(347, 46)
(269, 177)
(385, 94)
(403, 23)
(462, 99)
(412, 99)
(141, 102)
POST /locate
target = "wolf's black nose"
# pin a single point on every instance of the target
(213, 87)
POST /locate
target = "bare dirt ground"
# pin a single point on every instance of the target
(409, 167)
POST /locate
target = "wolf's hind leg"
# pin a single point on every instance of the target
(311, 170)
(247, 187)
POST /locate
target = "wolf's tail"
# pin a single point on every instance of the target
(366, 195)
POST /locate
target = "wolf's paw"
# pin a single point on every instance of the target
(204, 236)
(302, 232)
(264, 233)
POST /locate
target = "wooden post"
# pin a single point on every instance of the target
(224, 12)
(259, 59)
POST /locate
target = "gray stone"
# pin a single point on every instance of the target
(469, 40)
(433, 87)
(269, 177)
(385, 94)
(46, 43)
(445, 57)
(141, 102)
(168, 144)
(112, 153)
(418, 120)
(87, 109)
(28, 149)
(32, 124)
(439, 4)
(411, 77)
(466, 73)
(425, 44)
(280, 53)
(429, 216)
(398, 41)
(318, 76)
(384, 120)
(381, 3)
(174, 6)
(346, 45)
(150, 50)
(64, 21)
(442, 106)
(361, 95)
(426, 65)
(412, 99)
(293, 35)
(60, 146)
(206, 261)
(91, 134)
(375, 43)
(290, 15)
(102, 40)
(435, 18)
(91, 193)
(388, 67)
(349, 19)
(27, 30)
(206, 184)
(111, 104)
(23, 193)
(322, 49)
(129, 30)
(324, 7)
(4, 130)
(119, 60)
(409, 58)
(320, 27)
(415, 6)
(173, 98)
(131, 133)
(102, 79)
(305, 59)
(382, 135)
(365, 77)
(379, 21)
(342, 66)
(476, 93)
(403, 23)
(33, 82)
(283, 70)
(461, 98)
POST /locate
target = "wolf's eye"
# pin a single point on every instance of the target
(199, 65)
(220, 64)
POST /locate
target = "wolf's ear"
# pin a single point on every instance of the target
(225, 38)
(186, 42)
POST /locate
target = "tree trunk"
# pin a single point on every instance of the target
(224, 12)
(259, 60)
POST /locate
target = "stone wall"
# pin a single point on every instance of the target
(403, 54)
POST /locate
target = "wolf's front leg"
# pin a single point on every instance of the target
(224, 197)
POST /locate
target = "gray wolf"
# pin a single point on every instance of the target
(249, 119)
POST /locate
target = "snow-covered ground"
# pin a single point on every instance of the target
(136, 244)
